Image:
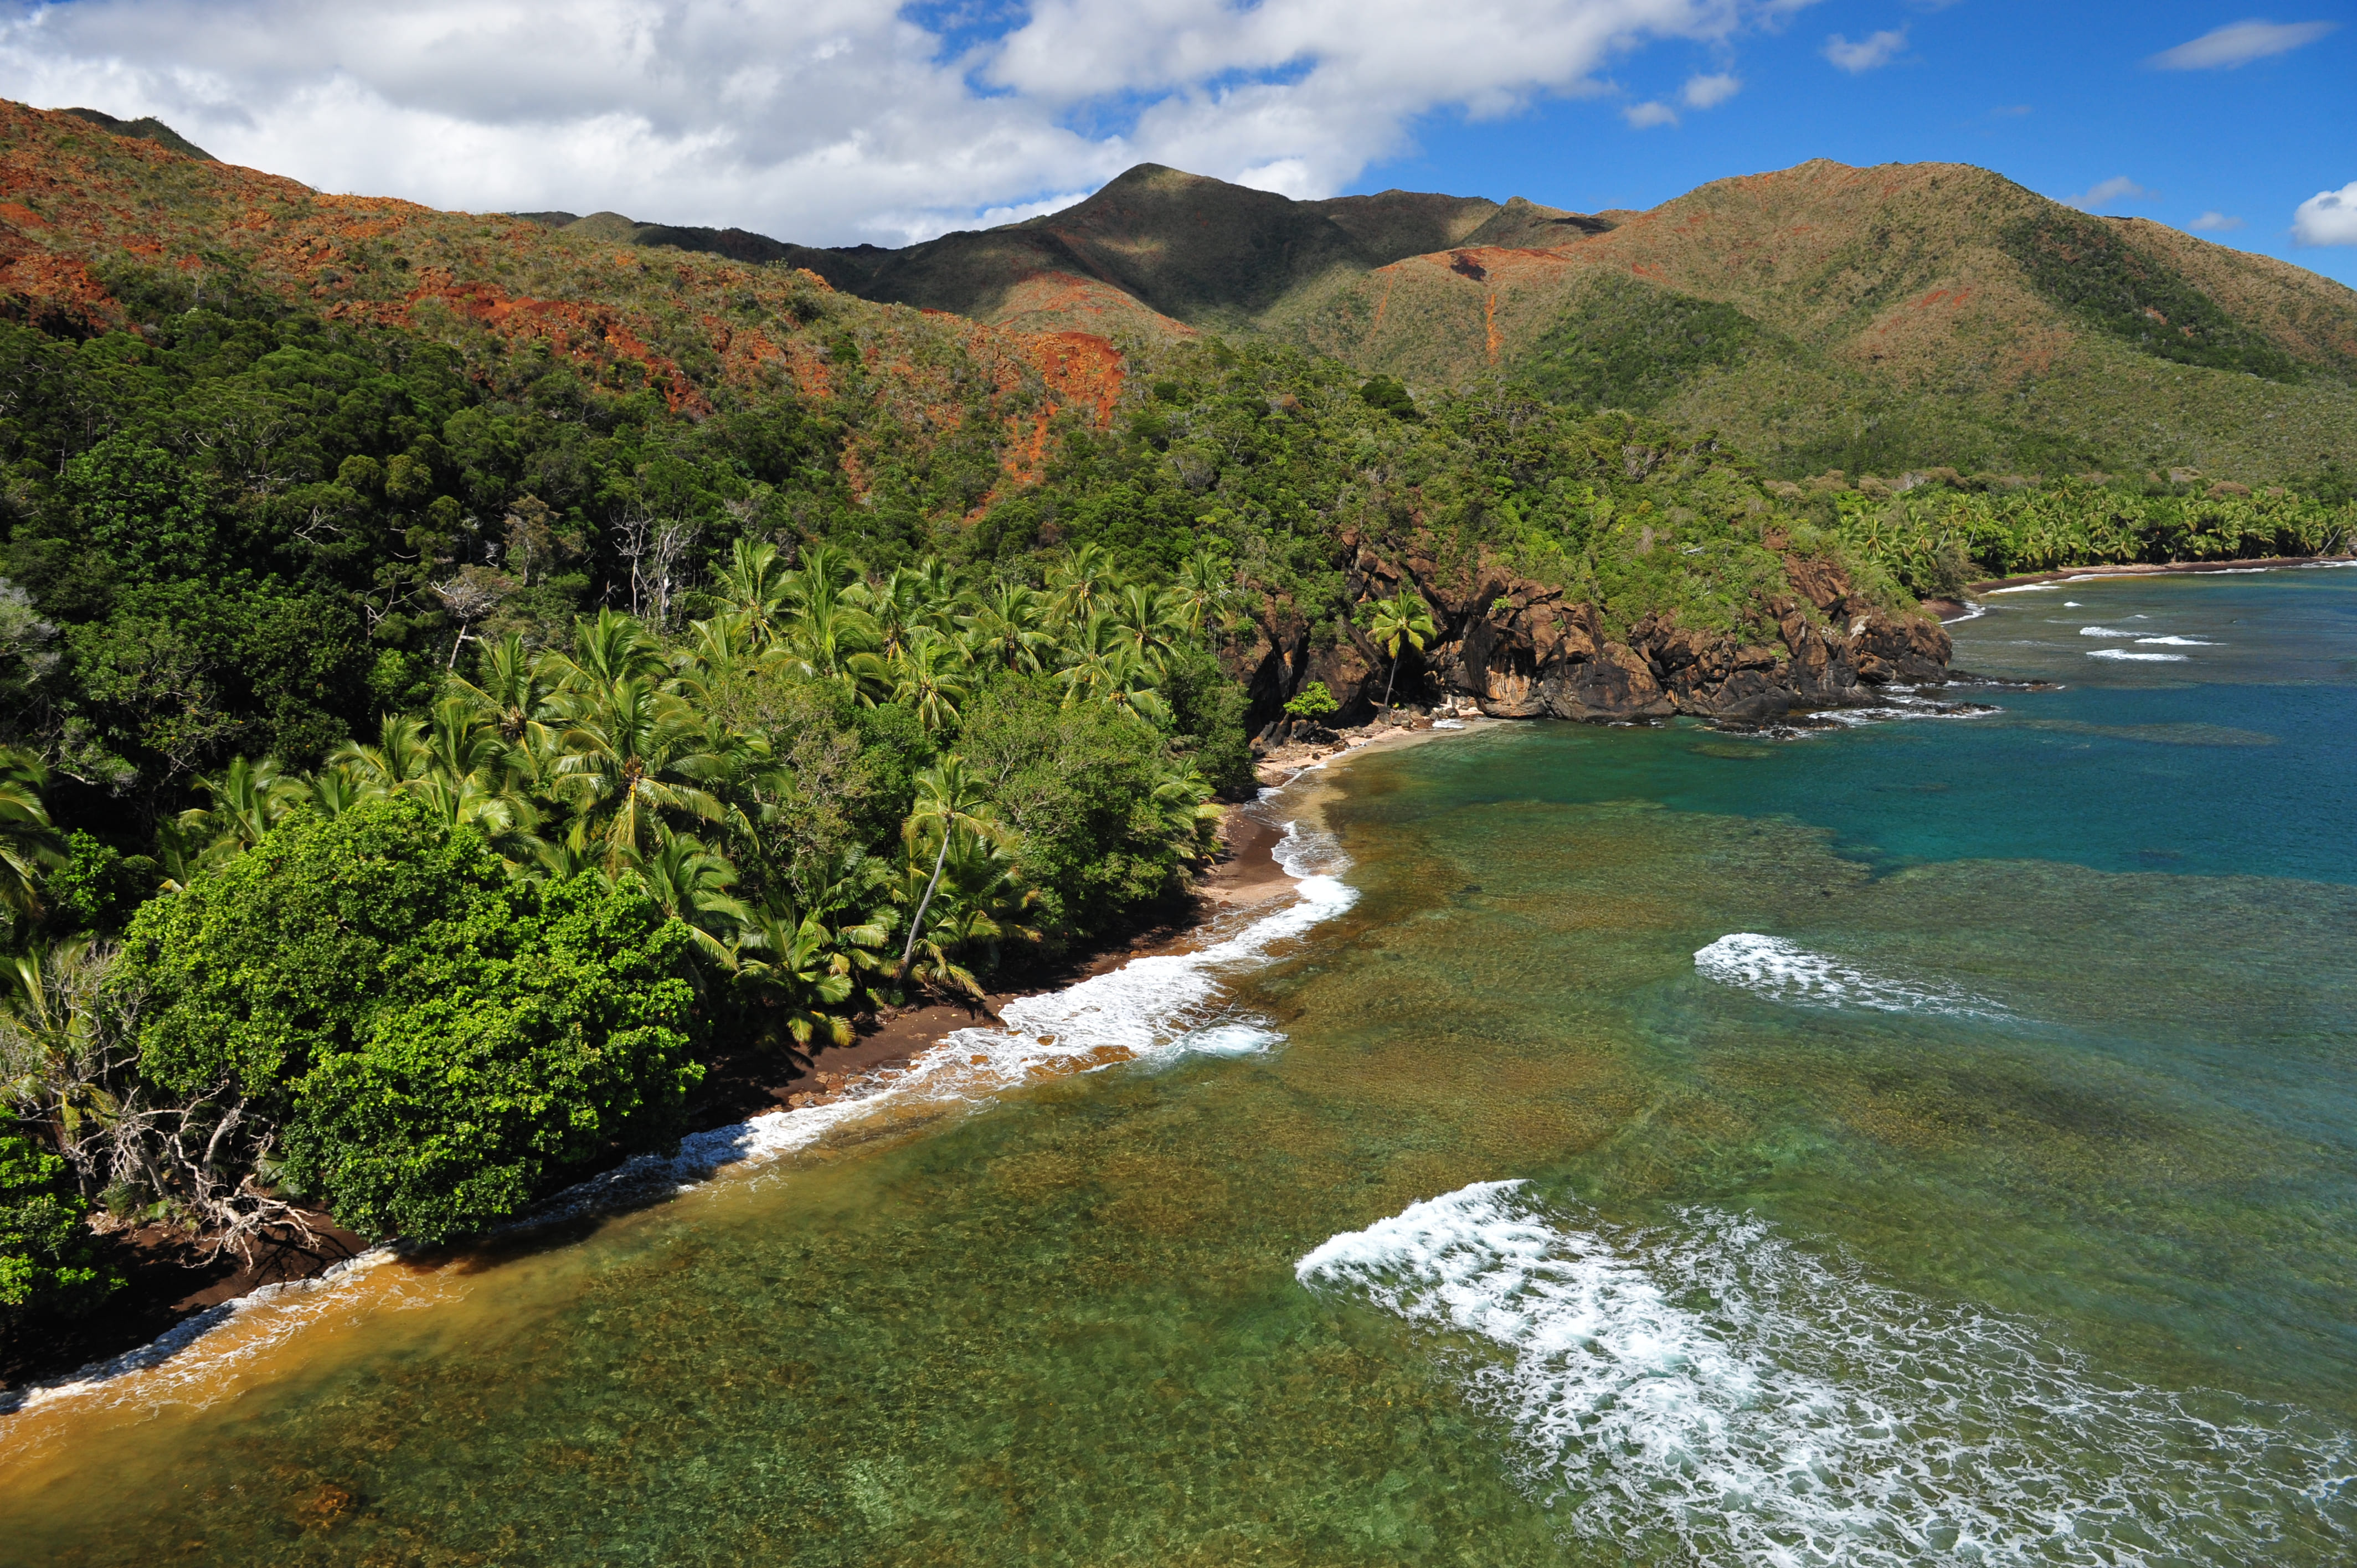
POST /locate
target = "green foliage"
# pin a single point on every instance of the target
(263, 969)
(1937, 538)
(2085, 265)
(1077, 785)
(1207, 722)
(435, 1035)
(45, 1265)
(1386, 392)
(527, 1032)
(1313, 701)
(1631, 345)
(95, 888)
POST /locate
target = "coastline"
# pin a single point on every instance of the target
(750, 1096)
(2152, 569)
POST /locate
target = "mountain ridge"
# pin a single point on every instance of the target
(1897, 317)
(1902, 315)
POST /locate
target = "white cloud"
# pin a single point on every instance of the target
(2215, 223)
(2106, 192)
(1709, 91)
(825, 119)
(2240, 43)
(2327, 218)
(1867, 53)
(1645, 116)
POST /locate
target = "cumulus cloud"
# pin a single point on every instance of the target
(2240, 43)
(2327, 218)
(2215, 223)
(826, 120)
(1645, 116)
(1867, 53)
(2106, 192)
(1707, 92)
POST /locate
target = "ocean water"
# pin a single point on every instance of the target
(1919, 1141)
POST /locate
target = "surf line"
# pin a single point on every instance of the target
(1160, 1006)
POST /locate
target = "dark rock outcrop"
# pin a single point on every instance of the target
(1521, 649)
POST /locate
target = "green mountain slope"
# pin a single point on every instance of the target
(1908, 316)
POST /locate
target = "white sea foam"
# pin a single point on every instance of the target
(2027, 589)
(2131, 653)
(1165, 1006)
(1786, 971)
(2176, 641)
(1707, 1388)
(2072, 605)
(236, 1332)
(1161, 1008)
(2102, 631)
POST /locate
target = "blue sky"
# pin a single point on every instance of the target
(2057, 97)
(832, 121)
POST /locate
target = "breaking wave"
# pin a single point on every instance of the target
(2103, 631)
(2131, 653)
(1783, 970)
(1163, 1007)
(2176, 641)
(1704, 1387)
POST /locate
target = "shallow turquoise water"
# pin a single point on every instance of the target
(1928, 1142)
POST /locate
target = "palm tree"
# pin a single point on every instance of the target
(753, 584)
(332, 792)
(460, 743)
(952, 799)
(53, 1040)
(613, 646)
(729, 644)
(896, 608)
(249, 800)
(507, 688)
(1206, 588)
(982, 900)
(690, 883)
(1100, 662)
(930, 677)
(633, 754)
(827, 637)
(1145, 618)
(1183, 795)
(1010, 628)
(943, 588)
(399, 756)
(802, 966)
(27, 842)
(1083, 582)
(1403, 617)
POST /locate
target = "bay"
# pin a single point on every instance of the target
(1916, 1141)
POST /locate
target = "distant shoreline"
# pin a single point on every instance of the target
(2146, 569)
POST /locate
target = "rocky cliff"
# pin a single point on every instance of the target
(1520, 648)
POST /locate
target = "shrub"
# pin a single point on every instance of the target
(1315, 702)
(45, 1254)
(436, 1039)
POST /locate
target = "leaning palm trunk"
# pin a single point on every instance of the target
(916, 923)
(1390, 679)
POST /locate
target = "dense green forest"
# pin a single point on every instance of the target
(420, 760)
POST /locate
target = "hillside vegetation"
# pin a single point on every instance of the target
(1878, 320)
(460, 676)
